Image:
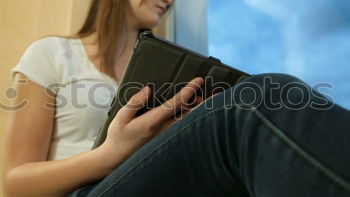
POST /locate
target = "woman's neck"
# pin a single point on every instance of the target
(91, 46)
(124, 58)
(131, 37)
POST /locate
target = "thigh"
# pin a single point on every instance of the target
(183, 161)
(294, 142)
(242, 143)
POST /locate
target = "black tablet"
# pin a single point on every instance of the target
(166, 68)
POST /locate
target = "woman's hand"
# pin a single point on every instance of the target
(128, 133)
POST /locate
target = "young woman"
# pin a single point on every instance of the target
(281, 139)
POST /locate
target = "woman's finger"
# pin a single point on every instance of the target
(198, 103)
(207, 99)
(136, 102)
(168, 109)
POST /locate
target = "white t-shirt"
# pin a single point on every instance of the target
(83, 93)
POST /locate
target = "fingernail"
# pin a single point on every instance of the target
(199, 79)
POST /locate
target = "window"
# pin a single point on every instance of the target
(188, 24)
(308, 39)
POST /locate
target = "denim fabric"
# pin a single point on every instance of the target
(282, 139)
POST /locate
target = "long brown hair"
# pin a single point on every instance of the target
(108, 18)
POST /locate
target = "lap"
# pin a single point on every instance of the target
(180, 158)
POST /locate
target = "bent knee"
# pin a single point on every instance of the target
(272, 90)
(279, 78)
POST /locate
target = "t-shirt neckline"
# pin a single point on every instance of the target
(84, 52)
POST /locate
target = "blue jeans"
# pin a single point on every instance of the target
(270, 135)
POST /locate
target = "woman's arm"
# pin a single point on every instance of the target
(27, 144)
(29, 135)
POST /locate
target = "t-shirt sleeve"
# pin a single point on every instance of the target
(38, 62)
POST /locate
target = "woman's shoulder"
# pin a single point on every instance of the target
(41, 49)
(51, 48)
(38, 62)
(51, 43)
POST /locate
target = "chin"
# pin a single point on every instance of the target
(150, 23)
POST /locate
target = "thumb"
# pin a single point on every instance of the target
(136, 102)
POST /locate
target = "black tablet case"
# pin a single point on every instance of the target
(166, 68)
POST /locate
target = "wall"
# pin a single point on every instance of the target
(24, 21)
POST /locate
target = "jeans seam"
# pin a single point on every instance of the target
(327, 172)
(288, 141)
(132, 168)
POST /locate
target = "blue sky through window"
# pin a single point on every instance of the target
(308, 39)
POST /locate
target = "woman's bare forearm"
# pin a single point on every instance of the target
(58, 178)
